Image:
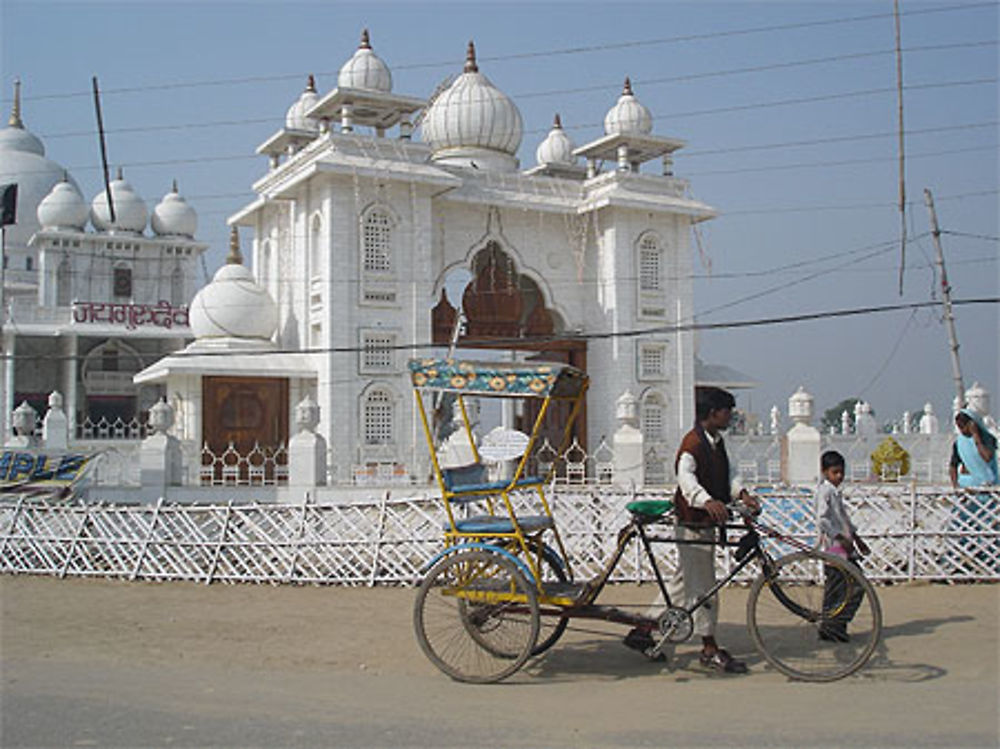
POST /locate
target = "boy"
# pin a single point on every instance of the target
(705, 485)
(839, 536)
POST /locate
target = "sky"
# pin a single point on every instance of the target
(789, 111)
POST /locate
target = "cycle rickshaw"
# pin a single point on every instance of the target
(502, 589)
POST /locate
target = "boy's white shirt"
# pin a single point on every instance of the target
(832, 514)
(695, 494)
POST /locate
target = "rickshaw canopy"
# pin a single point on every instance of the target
(498, 379)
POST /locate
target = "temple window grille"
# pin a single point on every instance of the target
(377, 251)
(177, 286)
(378, 418)
(649, 265)
(122, 283)
(652, 419)
(377, 352)
(652, 361)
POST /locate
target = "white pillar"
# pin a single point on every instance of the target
(160, 461)
(803, 441)
(55, 425)
(306, 450)
(629, 462)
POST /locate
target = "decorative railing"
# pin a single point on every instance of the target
(912, 534)
(260, 466)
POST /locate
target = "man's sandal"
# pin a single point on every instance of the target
(642, 640)
(722, 662)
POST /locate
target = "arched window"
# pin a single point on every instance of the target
(376, 243)
(64, 283)
(378, 417)
(650, 261)
(316, 246)
(177, 296)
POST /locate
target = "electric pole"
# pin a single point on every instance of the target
(956, 369)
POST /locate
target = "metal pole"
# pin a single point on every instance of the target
(956, 369)
(104, 153)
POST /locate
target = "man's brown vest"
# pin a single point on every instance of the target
(712, 472)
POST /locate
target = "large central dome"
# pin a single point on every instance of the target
(473, 123)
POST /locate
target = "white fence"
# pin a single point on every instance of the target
(913, 535)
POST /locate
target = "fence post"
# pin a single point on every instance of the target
(299, 533)
(379, 530)
(10, 533)
(76, 538)
(145, 544)
(218, 548)
(913, 531)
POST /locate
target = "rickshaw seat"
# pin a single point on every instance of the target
(495, 524)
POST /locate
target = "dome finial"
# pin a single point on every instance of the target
(173, 186)
(365, 42)
(15, 110)
(557, 122)
(234, 257)
(119, 175)
(470, 58)
(628, 87)
(311, 84)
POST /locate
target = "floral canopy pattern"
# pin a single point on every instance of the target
(517, 379)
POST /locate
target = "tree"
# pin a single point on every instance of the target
(831, 417)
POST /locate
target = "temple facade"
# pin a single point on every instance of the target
(388, 226)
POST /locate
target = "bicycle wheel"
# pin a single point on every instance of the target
(476, 616)
(814, 616)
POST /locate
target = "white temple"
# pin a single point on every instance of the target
(85, 308)
(358, 229)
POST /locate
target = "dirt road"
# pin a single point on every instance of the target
(101, 663)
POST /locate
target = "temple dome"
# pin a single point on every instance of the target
(628, 116)
(473, 123)
(63, 208)
(173, 216)
(557, 148)
(233, 305)
(365, 70)
(23, 162)
(295, 118)
(130, 210)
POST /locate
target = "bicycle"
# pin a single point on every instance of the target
(479, 611)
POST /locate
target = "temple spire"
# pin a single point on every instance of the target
(470, 58)
(557, 122)
(311, 84)
(365, 42)
(15, 110)
(234, 257)
(628, 87)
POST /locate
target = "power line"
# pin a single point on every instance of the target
(535, 341)
(583, 49)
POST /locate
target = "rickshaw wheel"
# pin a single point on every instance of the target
(476, 616)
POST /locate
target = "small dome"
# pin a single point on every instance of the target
(365, 70)
(63, 208)
(557, 148)
(130, 210)
(628, 116)
(233, 305)
(472, 113)
(172, 216)
(295, 118)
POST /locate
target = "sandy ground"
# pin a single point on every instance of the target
(105, 663)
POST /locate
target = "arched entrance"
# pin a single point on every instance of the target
(506, 310)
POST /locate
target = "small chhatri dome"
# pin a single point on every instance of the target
(131, 213)
(557, 148)
(63, 208)
(173, 216)
(628, 116)
(233, 305)
(365, 70)
(295, 118)
(473, 123)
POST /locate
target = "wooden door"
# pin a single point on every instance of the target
(245, 412)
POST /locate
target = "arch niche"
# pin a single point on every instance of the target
(507, 310)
